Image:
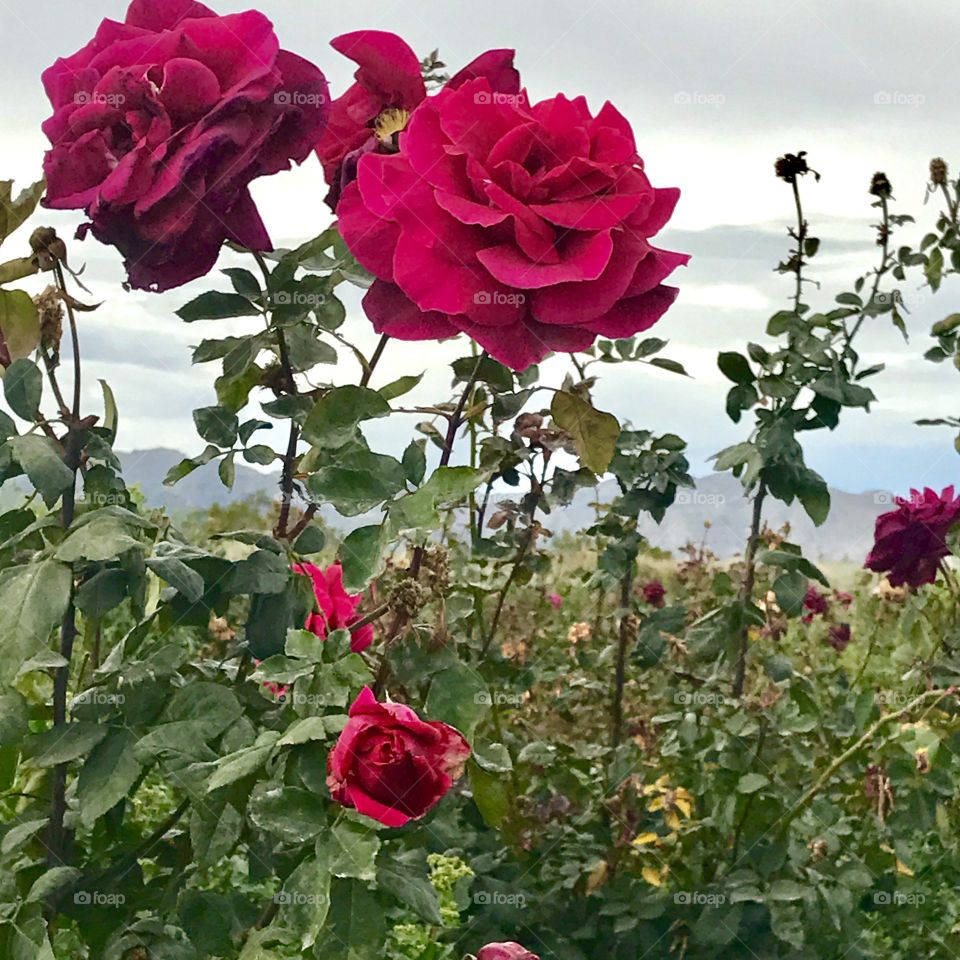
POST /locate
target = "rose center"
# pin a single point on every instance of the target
(391, 121)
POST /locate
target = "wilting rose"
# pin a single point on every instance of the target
(506, 951)
(839, 636)
(526, 227)
(654, 593)
(842, 597)
(389, 87)
(160, 124)
(392, 766)
(337, 608)
(815, 603)
(910, 541)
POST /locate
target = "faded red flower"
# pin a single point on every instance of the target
(337, 608)
(839, 636)
(654, 593)
(526, 227)
(910, 541)
(815, 603)
(389, 87)
(555, 600)
(160, 124)
(392, 766)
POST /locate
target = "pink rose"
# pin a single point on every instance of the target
(337, 608)
(525, 227)
(160, 124)
(389, 87)
(505, 951)
(392, 766)
(910, 541)
(555, 600)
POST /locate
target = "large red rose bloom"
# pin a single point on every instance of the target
(525, 227)
(910, 541)
(392, 766)
(160, 124)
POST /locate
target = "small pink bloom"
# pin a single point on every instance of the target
(910, 541)
(392, 766)
(555, 600)
(505, 951)
(337, 608)
(843, 598)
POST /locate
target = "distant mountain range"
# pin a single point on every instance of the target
(718, 500)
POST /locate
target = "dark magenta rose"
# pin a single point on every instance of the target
(910, 541)
(654, 593)
(160, 124)
(815, 604)
(336, 609)
(389, 87)
(392, 766)
(839, 636)
(526, 227)
(506, 951)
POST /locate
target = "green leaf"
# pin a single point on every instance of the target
(107, 776)
(100, 539)
(305, 900)
(458, 696)
(217, 306)
(23, 388)
(291, 814)
(244, 282)
(262, 572)
(14, 717)
(594, 433)
(358, 927)
(181, 577)
(491, 793)
(41, 462)
(483, 370)
(415, 461)
(214, 829)
(399, 388)
(243, 763)
(406, 877)
(63, 744)
(14, 211)
(33, 599)
(448, 485)
(217, 425)
(751, 783)
(209, 707)
(336, 416)
(362, 556)
(353, 851)
(111, 417)
(363, 481)
(671, 366)
(185, 467)
(735, 367)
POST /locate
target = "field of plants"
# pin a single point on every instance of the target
(452, 732)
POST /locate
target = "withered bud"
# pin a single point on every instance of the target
(792, 165)
(818, 849)
(880, 186)
(48, 249)
(938, 171)
(922, 759)
(408, 598)
(275, 379)
(50, 311)
(436, 569)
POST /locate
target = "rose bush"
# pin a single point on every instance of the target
(392, 766)
(525, 226)
(161, 123)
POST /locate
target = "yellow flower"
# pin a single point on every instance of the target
(655, 877)
(644, 838)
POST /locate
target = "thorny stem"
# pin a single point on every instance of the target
(371, 365)
(878, 276)
(58, 839)
(623, 645)
(746, 592)
(935, 695)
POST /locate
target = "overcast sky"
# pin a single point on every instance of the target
(715, 92)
